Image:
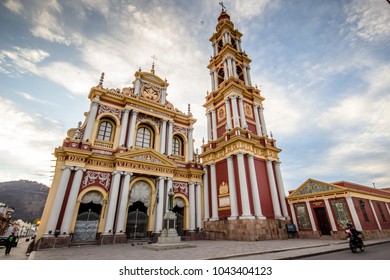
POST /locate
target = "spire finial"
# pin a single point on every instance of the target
(189, 109)
(154, 58)
(223, 7)
(101, 80)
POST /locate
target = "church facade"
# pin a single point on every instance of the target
(114, 171)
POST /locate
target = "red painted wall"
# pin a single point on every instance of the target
(384, 220)
(222, 176)
(366, 225)
(264, 190)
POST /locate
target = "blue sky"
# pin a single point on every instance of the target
(323, 67)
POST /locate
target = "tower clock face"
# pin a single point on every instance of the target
(151, 94)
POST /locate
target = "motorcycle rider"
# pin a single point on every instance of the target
(354, 232)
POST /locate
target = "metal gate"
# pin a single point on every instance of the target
(137, 224)
(86, 227)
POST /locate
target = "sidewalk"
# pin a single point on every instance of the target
(204, 250)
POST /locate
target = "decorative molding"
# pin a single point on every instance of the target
(102, 179)
(248, 110)
(109, 109)
(314, 187)
(223, 188)
(181, 187)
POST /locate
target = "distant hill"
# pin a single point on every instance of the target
(28, 198)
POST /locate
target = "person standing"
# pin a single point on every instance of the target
(9, 243)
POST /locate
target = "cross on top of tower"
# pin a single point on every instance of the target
(154, 58)
(223, 7)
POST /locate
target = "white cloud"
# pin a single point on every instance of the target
(14, 6)
(368, 20)
(26, 144)
(29, 97)
(22, 60)
(248, 9)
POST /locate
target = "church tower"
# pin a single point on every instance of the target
(244, 196)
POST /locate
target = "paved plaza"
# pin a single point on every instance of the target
(204, 250)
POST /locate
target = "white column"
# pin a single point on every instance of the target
(282, 192)
(130, 140)
(246, 210)
(59, 197)
(198, 210)
(330, 213)
(355, 217)
(214, 194)
(245, 76)
(206, 194)
(263, 127)
(225, 70)
(163, 95)
(125, 120)
(212, 80)
(255, 190)
(190, 144)
(160, 205)
(209, 135)
(216, 79)
(170, 137)
(274, 192)
(294, 217)
(387, 206)
(169, 187)
(257, 119)
(242, 113)
(137, 88)
(313, 224)
(214, 121)
(234, 68)
(229, 63)
(112, 201)
(163, 136)
(375, 216)
(191, 195)
(69, 209)
(214, 50)
(232, 190)
(228, 114)
(124, 199)
(236, 121)
(249, 76)
(91, 120)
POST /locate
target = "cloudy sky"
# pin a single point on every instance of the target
(323, 67)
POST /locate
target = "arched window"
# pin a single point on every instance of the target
(144, 137)
(177, 146)
(105, 131)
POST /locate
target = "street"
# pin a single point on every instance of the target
(17, 253)
(374, 252)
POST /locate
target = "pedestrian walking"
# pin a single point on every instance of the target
(9, 243)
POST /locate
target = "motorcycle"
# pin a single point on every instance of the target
(354, 242)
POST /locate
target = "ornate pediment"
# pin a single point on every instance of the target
(146, 156)
(312, 187)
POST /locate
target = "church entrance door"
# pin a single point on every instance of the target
(180, 220)
(322, 220)
(88, 217)
(137, 221)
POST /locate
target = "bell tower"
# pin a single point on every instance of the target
(242, 177)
